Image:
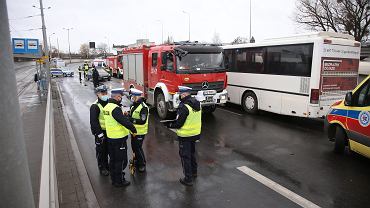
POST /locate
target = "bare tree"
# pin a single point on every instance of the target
(346, 16)
(216, 38)
(84, 50)
(239, 40)
(102, 49)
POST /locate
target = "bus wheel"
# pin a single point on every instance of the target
(340, 141)
(250, 103)
(161, 105)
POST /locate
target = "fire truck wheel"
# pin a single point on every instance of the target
(250, 103)
(161, 105)
(209, 109)
(340, 140)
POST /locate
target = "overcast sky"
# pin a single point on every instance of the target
(124, 21)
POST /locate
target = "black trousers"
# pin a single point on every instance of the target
(96, 82)
(79, 75)
(137, 148)
(188, 160)
(102, 154)
(117, 150)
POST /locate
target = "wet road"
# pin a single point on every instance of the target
(292, 152)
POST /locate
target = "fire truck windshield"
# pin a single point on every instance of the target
(200, 63)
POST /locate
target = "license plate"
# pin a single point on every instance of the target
(209, 99)
(209, 92)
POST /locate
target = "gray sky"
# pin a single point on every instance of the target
(124, 21)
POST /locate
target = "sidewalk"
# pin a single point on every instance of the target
(70, 189)
(33, 117)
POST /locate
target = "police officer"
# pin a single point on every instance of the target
(80, 71)
(118, 128)
(86, 69)
(98, 129)
(139, 114)
(188, 124)
(95, 76)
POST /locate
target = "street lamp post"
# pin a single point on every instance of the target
(69, 43)
(189, 21)
(50, 43)
(250, 20)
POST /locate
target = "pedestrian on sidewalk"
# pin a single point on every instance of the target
(118, 127)
(139, 116)
(98, 129)
(188, 124)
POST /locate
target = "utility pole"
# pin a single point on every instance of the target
(16, 189)
(58, 47)
(46, 50)
(250, 20)
(50, 42)
(189, 21)
(69, 43)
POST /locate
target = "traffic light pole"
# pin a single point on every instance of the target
(15, 189)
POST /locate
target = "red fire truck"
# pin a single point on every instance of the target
(159, 70)
(115, 65)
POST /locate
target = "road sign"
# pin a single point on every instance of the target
(92, 44)
(25, 46)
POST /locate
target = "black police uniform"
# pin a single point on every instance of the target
(95, 76)
(101, 143)
(137, 142)
(117, 148)
(187, 144)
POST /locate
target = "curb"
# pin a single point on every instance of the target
(90, 196)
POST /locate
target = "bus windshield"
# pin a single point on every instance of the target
(200, 63)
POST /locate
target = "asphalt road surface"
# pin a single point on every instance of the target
(292, 155)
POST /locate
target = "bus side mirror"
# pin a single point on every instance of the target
(163, 67)
(348, 99)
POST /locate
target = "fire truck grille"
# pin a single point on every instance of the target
(218, 86)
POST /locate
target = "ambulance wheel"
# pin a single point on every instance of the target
(250, 103)
(339, 141)
(161, 105)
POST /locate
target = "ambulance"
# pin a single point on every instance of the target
(348, 121)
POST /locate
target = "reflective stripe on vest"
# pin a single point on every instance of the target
(101, 115)
(114, 129)
(141, 129)
(192, 125)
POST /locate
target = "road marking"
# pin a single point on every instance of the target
(238, 114)
(278, 188)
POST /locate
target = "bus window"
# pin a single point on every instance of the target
(291, 60)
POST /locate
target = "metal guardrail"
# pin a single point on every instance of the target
(48, 184)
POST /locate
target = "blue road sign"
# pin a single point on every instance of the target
(25, 46)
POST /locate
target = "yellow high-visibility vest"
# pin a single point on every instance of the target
(141, 129)
(192, 125)
(101, 115)
(114, 129)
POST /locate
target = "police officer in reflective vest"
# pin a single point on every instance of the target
(86, 69)
(139, 114)
(188, 124)
(97, 125)
(118, 128)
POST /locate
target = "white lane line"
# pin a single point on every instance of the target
(238, 114)
(278, 188)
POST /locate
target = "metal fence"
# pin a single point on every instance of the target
(48, 184)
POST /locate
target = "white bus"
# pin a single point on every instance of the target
(301, 75)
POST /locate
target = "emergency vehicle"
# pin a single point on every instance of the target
(159, 70)
(114, 64)
(348, 121)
